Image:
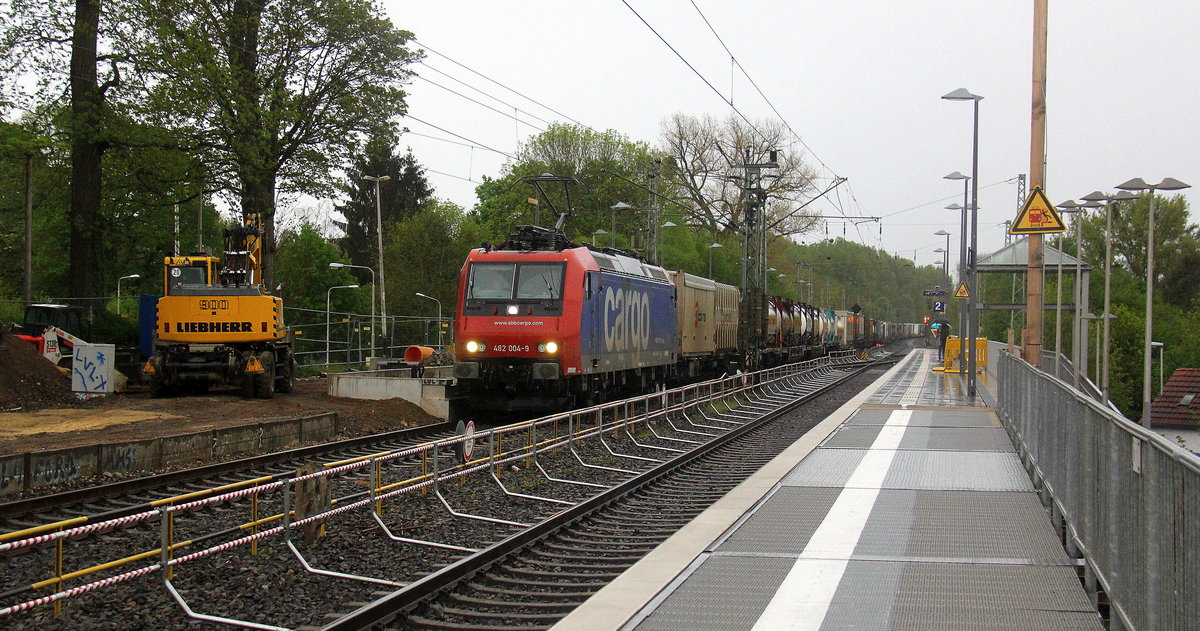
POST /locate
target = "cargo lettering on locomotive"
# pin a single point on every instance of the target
(626, 320)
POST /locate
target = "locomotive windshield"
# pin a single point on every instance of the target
(524, 281)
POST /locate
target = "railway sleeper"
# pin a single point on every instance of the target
(421, 622)
(610, 557)
(581, 595)
(556, 565)
(546, 575)
(585, 546)
(486, 603)
(542, 585)
(468, 614)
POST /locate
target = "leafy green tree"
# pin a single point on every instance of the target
(278, 92)
(428, 249)
(304, 258)
(610, 167)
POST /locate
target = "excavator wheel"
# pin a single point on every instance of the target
(264, 382)
(285, 374)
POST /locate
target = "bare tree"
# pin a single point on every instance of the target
(705, 166)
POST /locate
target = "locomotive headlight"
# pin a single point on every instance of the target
(513, 309)
(472, 346)
(551, 347)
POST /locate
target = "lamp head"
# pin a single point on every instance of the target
(962, 94)
(956, 175)
(1136, 184)
(955, 206)
(942, 233)
(716, 245)
(1121, 196)
(337, 265)
(1171, 184)
(620, 206)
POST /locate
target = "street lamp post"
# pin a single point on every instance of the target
(962, 94)
(119, 290)
(710, 251)
(597, 233)
(962, 253)
(1097, 196)
(622, 206)
(946, 255)
(1080, 308)
(439, 318)
(1138, 184)
(342, 265)
(658, 246)
(328, 308)
(379, 239)
(1161, 365)
(1068, 206)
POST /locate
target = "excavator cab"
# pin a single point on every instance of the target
(188, 271)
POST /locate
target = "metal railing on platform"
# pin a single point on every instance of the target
(1126, 497)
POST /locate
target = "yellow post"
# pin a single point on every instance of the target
(378, 483)
(170, 543)
(254, 521)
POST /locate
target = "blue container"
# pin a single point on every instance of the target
(147, 322)
(627, 322)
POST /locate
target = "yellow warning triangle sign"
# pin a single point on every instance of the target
(1037, 216)
(962, 292)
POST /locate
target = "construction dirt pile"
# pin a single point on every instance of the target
(29, 381)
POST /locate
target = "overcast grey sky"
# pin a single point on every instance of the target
(859, 80)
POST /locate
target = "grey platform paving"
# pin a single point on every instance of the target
(907, 509)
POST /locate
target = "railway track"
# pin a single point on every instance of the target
(536, 577)
(461, 559)
(116, 499)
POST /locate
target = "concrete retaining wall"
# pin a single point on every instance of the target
(21, 472)
(427, 391)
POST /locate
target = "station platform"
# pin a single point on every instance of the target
(908, 508)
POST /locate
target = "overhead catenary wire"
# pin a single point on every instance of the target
(480, 103)
(687, 63)
(461, 137)
(487, 78)
(490, 96)
(753, 83)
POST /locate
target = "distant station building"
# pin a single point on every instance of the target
(1176, 412)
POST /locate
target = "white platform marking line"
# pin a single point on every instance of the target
(913, 392)
(803, 598)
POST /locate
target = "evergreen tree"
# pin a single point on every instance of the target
(399, 198)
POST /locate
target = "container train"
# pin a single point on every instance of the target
(544, 323)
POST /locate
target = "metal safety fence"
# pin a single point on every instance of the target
(1126, 499)
(718, 405)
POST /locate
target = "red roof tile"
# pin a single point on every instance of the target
(1168, 409)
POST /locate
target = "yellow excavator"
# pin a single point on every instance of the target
(216, 324)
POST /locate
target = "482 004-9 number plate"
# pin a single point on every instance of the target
(510, 348)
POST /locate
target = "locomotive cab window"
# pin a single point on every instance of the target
(515, 281)
(540, 281)
(492, 281)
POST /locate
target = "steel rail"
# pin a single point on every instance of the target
(387, 608)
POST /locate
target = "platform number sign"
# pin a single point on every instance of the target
(465, 448)
(939, 306)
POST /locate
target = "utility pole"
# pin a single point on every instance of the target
(1031, 340)
(754, 266)
(29, 229)
(652, 213)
